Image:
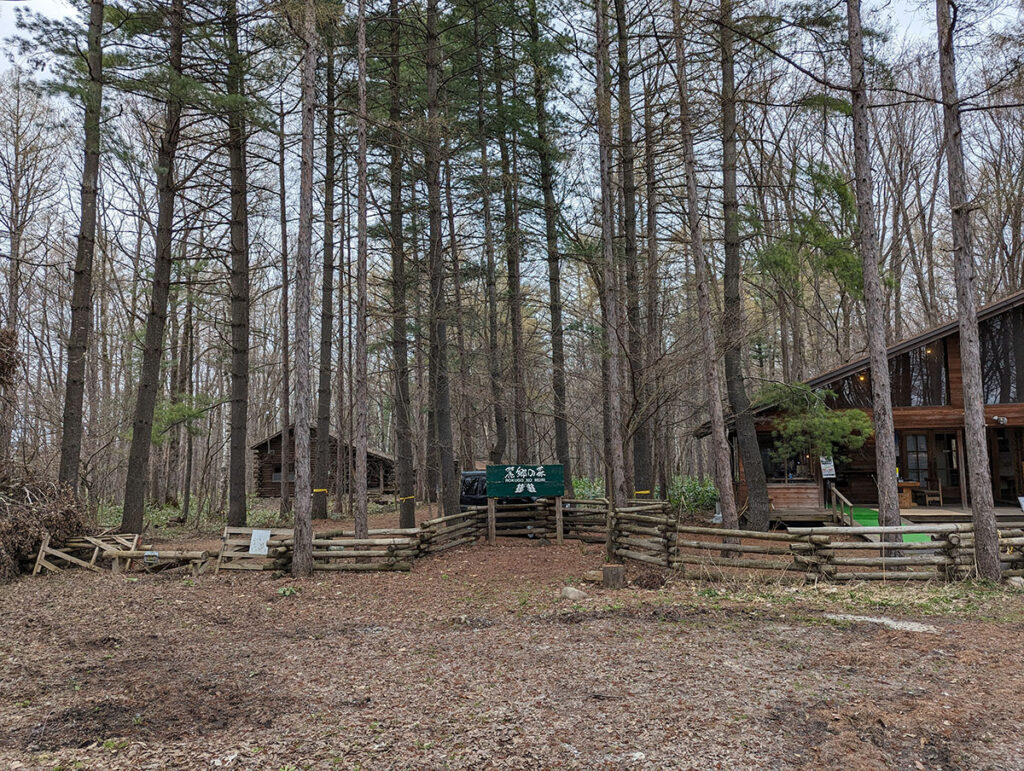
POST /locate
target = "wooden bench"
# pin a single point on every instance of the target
(930, 496)
(235, 555)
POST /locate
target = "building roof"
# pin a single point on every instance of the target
(907, 344)
(312, 431)
(910, 343)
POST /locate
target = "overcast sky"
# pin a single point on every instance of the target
(913, 17)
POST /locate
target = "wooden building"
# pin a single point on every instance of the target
(268, 472)
(928, 416)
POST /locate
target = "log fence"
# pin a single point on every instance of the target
(644, 532)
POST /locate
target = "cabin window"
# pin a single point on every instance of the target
(793, 469)
(277, 473)
(919, 376)
(853, 392)
(1002, 357)
(917, 459)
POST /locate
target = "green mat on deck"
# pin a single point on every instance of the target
(869, 518)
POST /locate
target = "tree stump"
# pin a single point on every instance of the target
(613, 576)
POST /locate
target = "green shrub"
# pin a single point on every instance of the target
(588, 487)
(692, 493)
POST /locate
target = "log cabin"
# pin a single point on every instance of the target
(928, 417)
(268, 473)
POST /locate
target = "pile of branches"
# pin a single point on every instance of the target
(10, 360)
(27, 511)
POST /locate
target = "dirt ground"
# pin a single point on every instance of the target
(472, 661)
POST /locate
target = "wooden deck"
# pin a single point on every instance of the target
(1006, 516)
(803, 515)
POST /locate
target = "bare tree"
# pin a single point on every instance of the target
(400, 345)
(545, 151)
(440, 392)
(302, 558)
(239, 248)
(615, 463)
(361, 387)
(874, 299)
(81, 292)
(733, 326)
(152, 352)
(723, 464)
(321, 466)
(986, 535)
(286, 396)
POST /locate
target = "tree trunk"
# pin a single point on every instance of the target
(322, 466)
(403, 427)
(653, 382)
(513, 243)
(152, 353)
(497, 451)
(81, 292)
(722, 461)
(189, 359)
(462, 413)
(986, 536)
(614, 461)
(874, 299)
(733, 326)
(302, 558)
(239, 446)
(545, 152)
(360, 384)
(642, 472)
(286, 396)
(440, 393)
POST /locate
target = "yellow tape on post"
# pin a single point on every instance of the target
(642, 492)
(407, 498)
(321, 490)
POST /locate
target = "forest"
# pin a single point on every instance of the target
(461, 232)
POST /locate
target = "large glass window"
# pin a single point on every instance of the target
(793, 469)
(1002, 357)
(853, 392)
(919, 376)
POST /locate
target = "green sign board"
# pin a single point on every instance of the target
(514, 481)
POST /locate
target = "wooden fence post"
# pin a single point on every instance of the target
(558, 520)
(491, 524)
(609, 544)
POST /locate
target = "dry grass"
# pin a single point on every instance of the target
(471, 661)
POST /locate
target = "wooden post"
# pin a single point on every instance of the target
(610, 534)
(41, 557)
(613, 576)
(558, 520)
(491, 525)
(962, 469)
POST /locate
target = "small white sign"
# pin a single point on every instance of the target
(151, 557)
(1020, 500)
(258, 542)
(828, 468)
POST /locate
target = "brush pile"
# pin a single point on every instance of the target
(27, 511)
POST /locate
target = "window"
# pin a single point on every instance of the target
(917, 459)
(919, 376)
(793, 469)
(277, 473)
(1002, 357)
(851, 392)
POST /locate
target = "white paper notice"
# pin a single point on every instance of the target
(258, 542)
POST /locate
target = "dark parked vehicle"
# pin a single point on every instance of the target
(474, 491)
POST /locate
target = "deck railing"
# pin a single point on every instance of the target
(842, 509)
